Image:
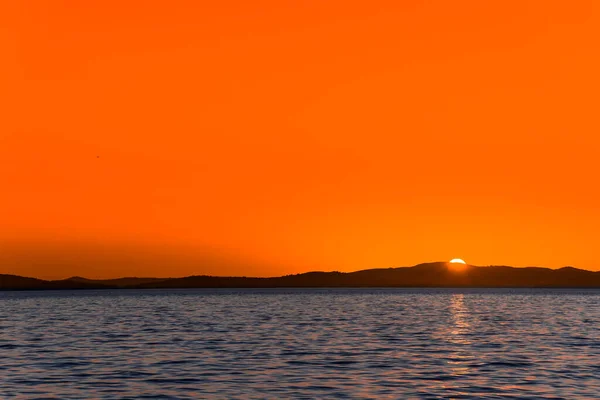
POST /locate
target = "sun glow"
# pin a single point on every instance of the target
(457, 261)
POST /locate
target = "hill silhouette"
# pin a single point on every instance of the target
(14, 282)
(438, 274)
(117, 282)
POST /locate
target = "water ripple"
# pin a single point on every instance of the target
(300, 343)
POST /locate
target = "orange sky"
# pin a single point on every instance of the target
(273, 136)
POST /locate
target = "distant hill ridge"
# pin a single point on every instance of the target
(437, 274)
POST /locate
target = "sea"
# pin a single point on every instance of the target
(300, 344)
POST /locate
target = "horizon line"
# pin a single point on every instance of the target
(299, 273)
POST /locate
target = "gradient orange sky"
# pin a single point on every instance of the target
(273, 137)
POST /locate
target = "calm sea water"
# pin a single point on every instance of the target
(286, 343)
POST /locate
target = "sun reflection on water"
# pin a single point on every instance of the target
(459, 317)
(459, 334)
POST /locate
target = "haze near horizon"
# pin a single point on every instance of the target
(271, 137)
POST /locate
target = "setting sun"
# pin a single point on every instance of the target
(457, 261)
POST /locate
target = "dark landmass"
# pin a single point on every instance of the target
(118, 282)
(439, 274)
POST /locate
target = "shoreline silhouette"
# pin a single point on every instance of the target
(436, 274)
